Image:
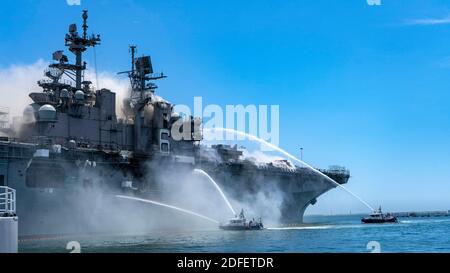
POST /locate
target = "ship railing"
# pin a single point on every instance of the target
(8, 139)
(60, 81)
(4, 110)
(342, 171)
(7, 201)
(4, 117)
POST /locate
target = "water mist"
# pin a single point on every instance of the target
(270, 145)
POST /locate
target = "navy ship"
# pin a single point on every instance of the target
(73, 153)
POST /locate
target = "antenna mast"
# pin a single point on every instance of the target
(77, 45)
(133, 50)
(141, 76)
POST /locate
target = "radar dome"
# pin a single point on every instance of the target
(64, 93)
(28, 114)
(72, 144)
(47, 113)
(79, 95)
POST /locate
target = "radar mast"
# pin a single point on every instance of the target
(77, 45)
(141, 75)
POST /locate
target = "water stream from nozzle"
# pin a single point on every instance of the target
(270, 145)
(167, 206)
(210, 179)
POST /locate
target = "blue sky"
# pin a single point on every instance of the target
(367, 87)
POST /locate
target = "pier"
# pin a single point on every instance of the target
(8, 221)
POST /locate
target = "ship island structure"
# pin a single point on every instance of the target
(71, 141)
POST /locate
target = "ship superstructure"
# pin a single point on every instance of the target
(73, 149)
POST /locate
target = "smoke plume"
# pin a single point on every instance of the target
(18, 80)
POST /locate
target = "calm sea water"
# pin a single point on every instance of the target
(323, 234)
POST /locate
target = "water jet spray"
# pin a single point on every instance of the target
(210, 179)
(278, 149)
(167, 206)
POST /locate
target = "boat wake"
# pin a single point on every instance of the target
(337, 226)
(300, 228)
(420, 221)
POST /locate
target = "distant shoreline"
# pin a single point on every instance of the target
(441, 213)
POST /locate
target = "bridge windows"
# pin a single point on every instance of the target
(164, 147)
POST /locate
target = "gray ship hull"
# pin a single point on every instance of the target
(85, 201)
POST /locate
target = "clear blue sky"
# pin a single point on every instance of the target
(367, 87)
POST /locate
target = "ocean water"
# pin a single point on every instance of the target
(322, 234)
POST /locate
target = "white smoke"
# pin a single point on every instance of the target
(18, 80)
(113, 82)
(266, 203)
(260, 157)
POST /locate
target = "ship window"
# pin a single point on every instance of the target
(2, 180)
(164, 147)
(165, 136)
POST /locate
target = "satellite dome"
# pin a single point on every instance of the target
(47, 113)
(28, 114)
(64, 93)
(79, 95)
(72, 144)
